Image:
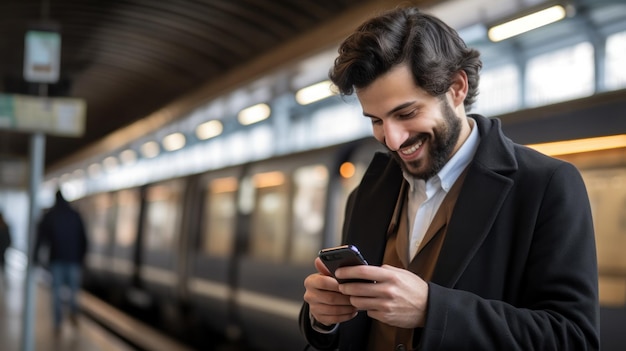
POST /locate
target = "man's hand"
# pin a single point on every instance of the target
(398, 298)
(326, 303)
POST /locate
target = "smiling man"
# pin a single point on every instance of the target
(474, 242)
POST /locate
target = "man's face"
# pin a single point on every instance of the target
(420, 130)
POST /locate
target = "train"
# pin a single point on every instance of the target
(224, 252)
(227, 249)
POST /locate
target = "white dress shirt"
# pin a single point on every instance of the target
(425, 197)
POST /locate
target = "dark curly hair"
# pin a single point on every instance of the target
(434, 51)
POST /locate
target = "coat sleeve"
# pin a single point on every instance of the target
(318, 340)
(557, 308)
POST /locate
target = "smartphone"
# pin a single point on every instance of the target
(342, 256)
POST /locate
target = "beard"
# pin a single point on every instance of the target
(446, 135)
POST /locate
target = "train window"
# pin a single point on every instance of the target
(607, 193)
(615, 75)
(549, 77)
(128, 202)
(499, 90)
(268, 230)
(100, 224)
(163, 207)
(219, 216)
(309, 203)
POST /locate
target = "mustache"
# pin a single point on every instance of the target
(411, 141)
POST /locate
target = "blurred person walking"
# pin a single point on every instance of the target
(62, 232)
(5, 243)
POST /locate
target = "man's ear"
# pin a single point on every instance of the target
(458, 89)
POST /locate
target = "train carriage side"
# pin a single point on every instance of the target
(285, 210)
(95, 211)
(111, 223)
(211, 250)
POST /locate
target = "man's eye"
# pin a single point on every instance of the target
(406, 115)
(376, 121)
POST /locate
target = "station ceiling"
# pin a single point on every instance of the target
(129, 58)
(139, 64)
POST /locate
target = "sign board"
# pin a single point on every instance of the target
(56, 116)
(42, 56)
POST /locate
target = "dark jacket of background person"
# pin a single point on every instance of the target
(62, 230)
(5, 238)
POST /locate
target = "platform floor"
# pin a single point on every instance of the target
(85, 336)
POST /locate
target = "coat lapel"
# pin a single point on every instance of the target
(373, 207)
(486, 186)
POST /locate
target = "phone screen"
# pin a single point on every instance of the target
(342, 256)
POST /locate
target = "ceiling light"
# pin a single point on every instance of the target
(254, 114)
(314, 93)
(150, 149)
(110, 163)
(209, 129)
(94, 169)
(174, 141)
(526, 23)
(128, 156)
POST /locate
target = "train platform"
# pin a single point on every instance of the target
(84, 335)
(99, 326)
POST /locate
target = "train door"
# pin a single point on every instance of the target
(127, 207)
(159, 241)
(98, 217)
(281, 206)
(211, 249)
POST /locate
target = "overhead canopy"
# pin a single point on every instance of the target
(127, 59)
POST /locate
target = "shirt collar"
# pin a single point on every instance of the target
(451, 170)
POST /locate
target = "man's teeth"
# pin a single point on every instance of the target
(412, 149)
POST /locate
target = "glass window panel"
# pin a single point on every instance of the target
(128, 203)
(163, 203)
(309, 204)
(268, 232)
(219, 215)
(615, 58)
(607, 194)
(100, 224)
(560, 75)
(498, 91)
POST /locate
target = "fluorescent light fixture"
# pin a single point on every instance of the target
(209, 129)
(269, 179)
(174, 141)
(224, 185)
(150, 149)
(94, 169)
(314, 93)
(526, 23)
(581, 145)
(110, 163)
(254, 114)
(128, 156)
(78, 173)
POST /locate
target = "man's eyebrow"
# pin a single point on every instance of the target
(394, 110)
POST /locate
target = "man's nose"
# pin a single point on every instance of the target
(395, 135)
